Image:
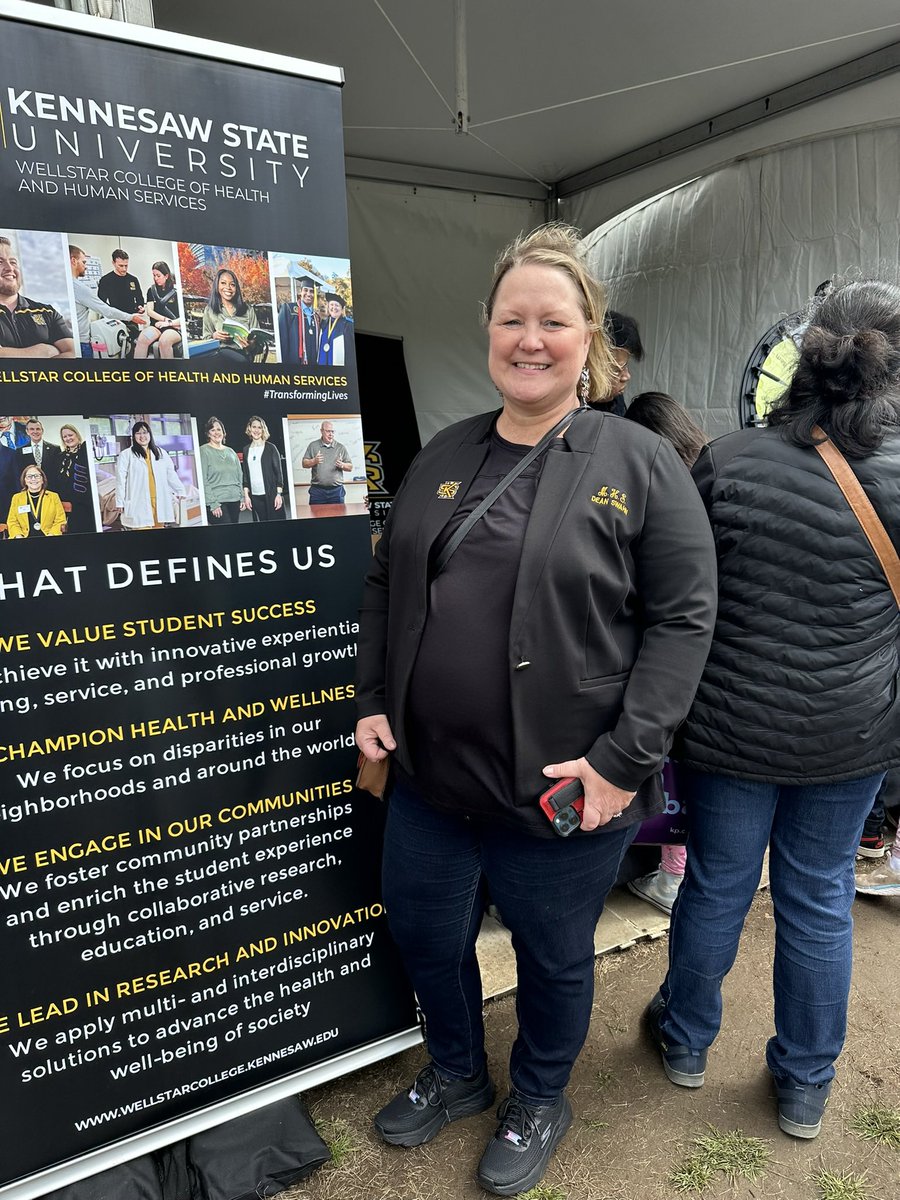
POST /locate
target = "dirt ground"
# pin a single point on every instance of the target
(632, 1126)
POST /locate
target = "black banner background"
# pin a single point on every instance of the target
(277, 211)
(189, 883)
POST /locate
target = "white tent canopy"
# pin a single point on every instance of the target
(465, 122)
(710, 266)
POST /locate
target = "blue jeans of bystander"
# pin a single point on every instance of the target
(812, 832)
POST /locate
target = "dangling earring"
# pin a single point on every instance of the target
(584, 385)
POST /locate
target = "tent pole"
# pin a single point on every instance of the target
(462, 66)
(551, 204)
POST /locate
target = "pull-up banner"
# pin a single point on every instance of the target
(190, 914)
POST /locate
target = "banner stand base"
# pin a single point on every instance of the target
(193, 1123)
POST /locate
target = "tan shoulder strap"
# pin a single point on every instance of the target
(868, 518)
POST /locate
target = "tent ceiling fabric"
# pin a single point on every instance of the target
(681, 64)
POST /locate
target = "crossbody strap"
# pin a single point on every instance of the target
(868, 518)
(477, 513)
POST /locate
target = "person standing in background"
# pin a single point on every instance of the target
(663, 414)
(625, 339)
(797, 716)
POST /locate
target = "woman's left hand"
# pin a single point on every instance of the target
(602, 799)
(278, 502)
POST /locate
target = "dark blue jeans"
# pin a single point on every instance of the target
(812, 833)
(550, 893)
(318, 494)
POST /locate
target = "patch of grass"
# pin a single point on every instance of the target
(544, 1191)
(339, 1139)
(879, 1125)
(692, 1176)
(845, 1186)
(594, 1126)
(733, 1154)
(603, 1077)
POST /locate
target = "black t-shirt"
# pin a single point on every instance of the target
(460, 722)
(164, 307)
(32, 323)
(121, 291)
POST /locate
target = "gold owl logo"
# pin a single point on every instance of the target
(448, 489)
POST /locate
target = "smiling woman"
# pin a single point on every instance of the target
(563, 639)
(539, 339)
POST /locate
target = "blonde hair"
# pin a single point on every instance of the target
(265, 428)
(558, 245)
(75, 431)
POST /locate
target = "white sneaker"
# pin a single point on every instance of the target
(883, 882)
(658, 889)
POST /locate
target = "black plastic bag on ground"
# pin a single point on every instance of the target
(257, 1155)
(174, 1172)
(139, 1179)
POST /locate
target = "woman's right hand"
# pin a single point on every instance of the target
(374, 737)
(217, 511)
(221, 336)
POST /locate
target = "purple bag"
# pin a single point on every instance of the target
(670, 827)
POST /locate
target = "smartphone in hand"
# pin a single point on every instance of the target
(563, 805)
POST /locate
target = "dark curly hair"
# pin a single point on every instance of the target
(848, 378)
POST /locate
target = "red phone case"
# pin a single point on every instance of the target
(565, 793)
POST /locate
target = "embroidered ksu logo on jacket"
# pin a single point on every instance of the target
(448, 489)
(610, 497)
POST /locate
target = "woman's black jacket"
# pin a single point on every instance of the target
(613, 606)
(801, 682)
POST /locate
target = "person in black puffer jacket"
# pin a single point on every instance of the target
(797, 716)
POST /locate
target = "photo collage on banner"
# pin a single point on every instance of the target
(189, 882)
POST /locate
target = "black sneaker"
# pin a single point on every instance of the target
(801, 1107)
(415, 1117)
(871, 845)
(682, 1065)
(517, 1155)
